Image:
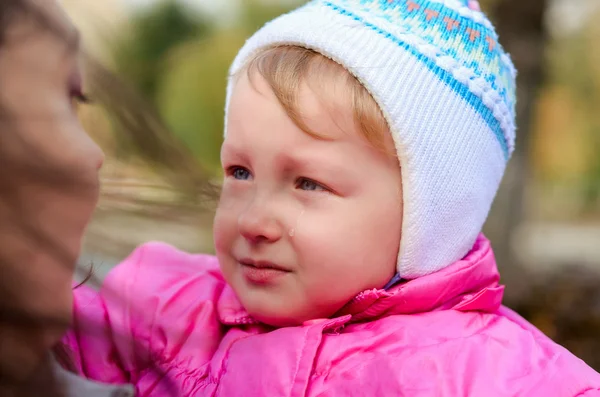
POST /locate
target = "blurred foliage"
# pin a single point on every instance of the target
(567, 134)
(565, 305)
(191, 103)
(254, 13)
(153, 33)
(180, 62)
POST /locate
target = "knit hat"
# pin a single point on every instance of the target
(447, 90)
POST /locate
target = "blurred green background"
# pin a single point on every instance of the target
(545, 224)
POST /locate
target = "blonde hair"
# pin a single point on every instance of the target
(285, 67)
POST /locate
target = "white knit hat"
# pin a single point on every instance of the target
(447, 90)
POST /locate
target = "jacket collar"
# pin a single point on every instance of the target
(470, 284)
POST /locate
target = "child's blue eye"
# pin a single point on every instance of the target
(307, 184)
(240, 173)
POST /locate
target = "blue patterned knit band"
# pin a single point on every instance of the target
(458, 33)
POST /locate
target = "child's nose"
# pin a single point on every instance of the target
(258, 224)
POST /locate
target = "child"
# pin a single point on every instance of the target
(365, 141)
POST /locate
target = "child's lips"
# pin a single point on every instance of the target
(261, 272)
(260, 264)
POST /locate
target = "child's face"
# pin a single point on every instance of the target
(304, 224)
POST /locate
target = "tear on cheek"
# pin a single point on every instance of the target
(294, 229)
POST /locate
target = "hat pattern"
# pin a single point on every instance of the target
(455, 41)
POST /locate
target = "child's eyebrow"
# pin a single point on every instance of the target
(230, 150)
(308, 162)
(311, 163)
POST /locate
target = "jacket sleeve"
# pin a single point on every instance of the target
(156, 304)
(103, 342)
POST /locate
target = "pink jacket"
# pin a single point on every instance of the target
(168, 323)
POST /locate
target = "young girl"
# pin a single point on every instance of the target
(365, 141)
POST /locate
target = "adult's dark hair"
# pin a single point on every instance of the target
(137, 122)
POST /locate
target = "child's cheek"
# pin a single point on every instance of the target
(309, 234)
(231, 204)
(222, 232)
(233, 194)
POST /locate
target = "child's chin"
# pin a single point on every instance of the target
(274, 318)
(273, 308)
(273, 315)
